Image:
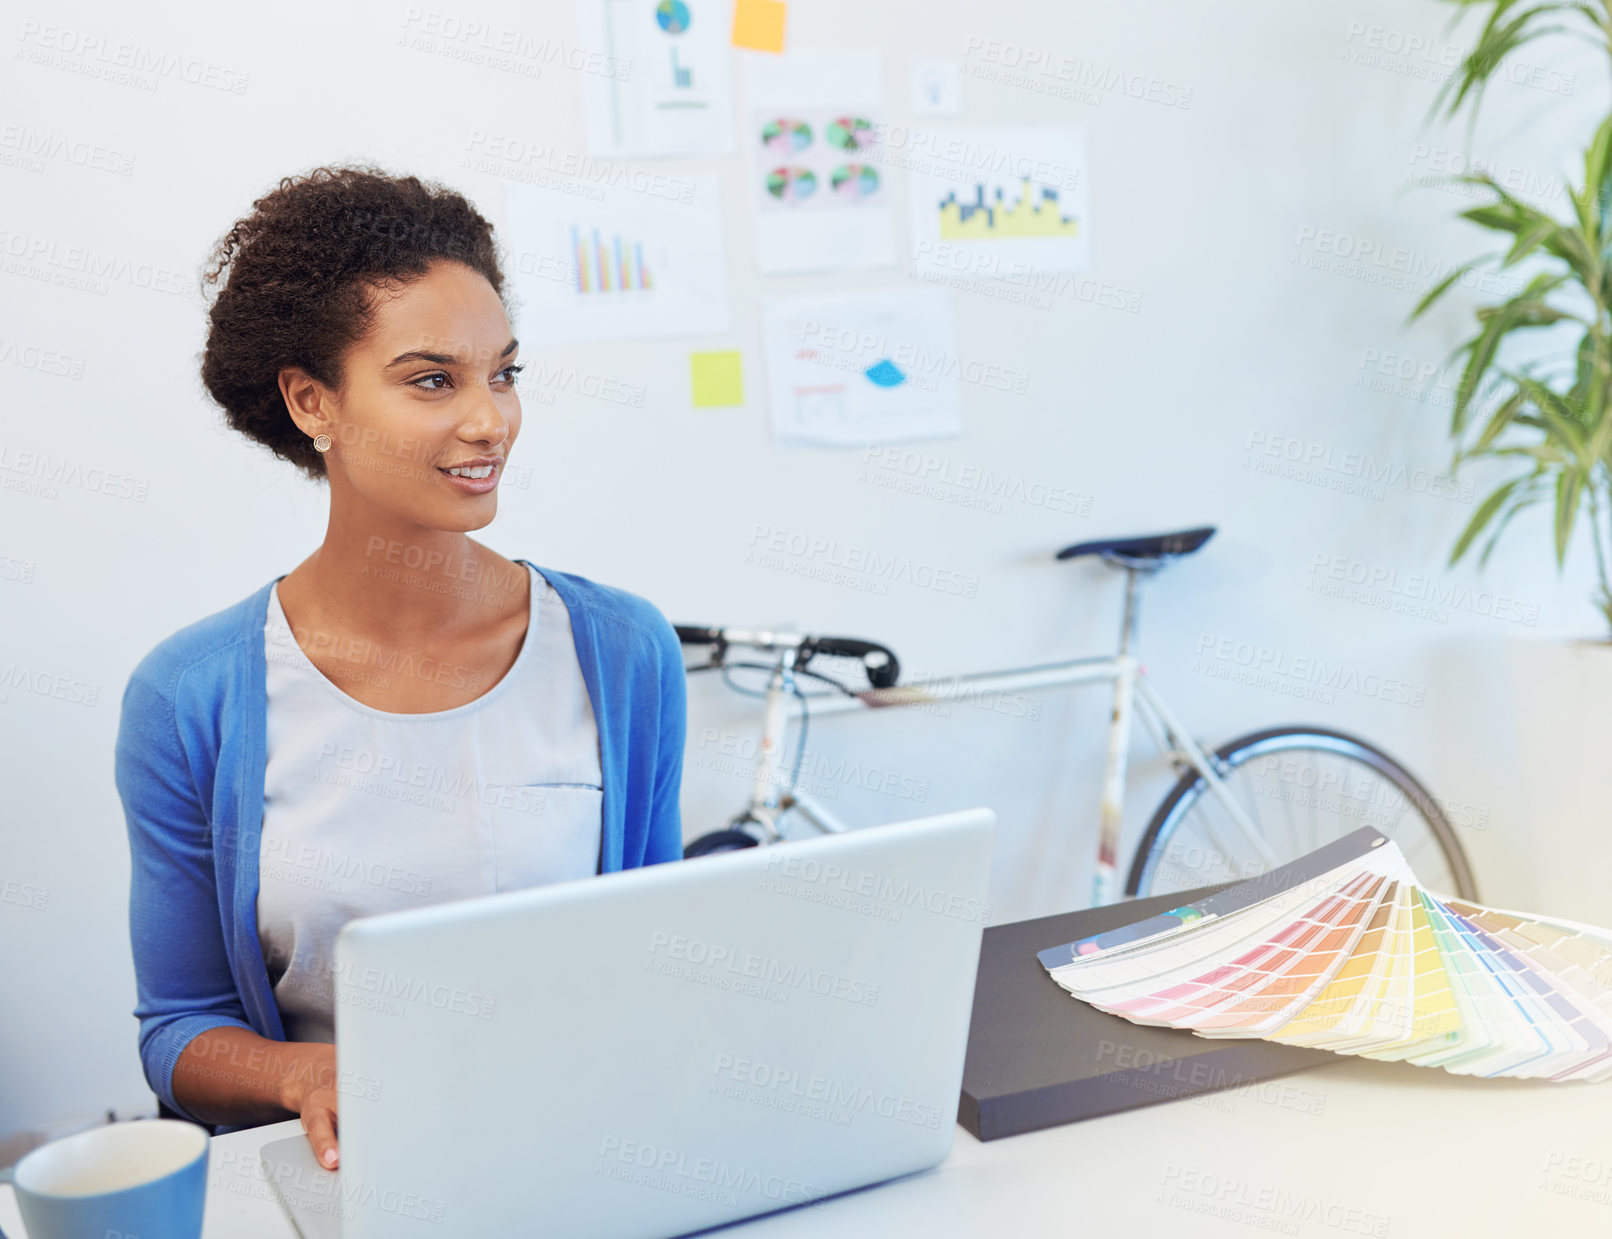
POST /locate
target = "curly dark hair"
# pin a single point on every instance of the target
(293, 282)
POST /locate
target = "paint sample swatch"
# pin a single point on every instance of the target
(1341, 950)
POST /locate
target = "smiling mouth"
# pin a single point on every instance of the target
(474, 472)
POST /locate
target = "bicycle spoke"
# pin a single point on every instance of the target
(1307, 843)
(1224, 858)
(1247, 793)
(1406, 808)
(1319, 833)
(1218, 861)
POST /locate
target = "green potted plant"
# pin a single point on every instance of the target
(1529, 727)
(1550, 419)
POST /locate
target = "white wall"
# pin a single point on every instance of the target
(1294, 135)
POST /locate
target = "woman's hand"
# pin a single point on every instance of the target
(311, 1093)
(232, 1075)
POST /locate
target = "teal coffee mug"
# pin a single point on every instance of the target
(145, 1179)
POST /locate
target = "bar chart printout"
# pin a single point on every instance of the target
(1004, 202)
(1034, 212)
(607, 263)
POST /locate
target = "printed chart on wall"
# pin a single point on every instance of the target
(623, 265)
(819, 184)
(666, 91)
(869, 367)
(1000, 202)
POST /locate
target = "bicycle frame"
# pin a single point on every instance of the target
(1133, 694)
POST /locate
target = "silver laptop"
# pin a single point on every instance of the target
(656, 1051)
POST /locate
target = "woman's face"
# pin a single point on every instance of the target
(431, 387)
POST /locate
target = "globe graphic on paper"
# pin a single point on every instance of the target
(672, 16)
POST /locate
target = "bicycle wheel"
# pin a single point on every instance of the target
(1301, 787)
(719, 841)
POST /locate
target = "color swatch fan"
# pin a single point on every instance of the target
(1341, 950)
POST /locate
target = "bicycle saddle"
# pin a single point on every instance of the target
(1156, 546)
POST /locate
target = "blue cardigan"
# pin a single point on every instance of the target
(189, 770)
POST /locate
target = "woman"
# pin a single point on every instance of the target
(407, 716)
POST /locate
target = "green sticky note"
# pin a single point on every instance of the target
(718, 380)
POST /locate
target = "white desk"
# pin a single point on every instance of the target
(1351, 1148)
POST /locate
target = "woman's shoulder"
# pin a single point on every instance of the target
(616, 610)
(209, 643)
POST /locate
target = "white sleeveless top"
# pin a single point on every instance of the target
(366, 811)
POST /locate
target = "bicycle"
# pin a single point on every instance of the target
(1210, 827)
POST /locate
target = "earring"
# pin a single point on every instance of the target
(321, 443)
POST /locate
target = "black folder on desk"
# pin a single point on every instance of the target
(1038, 1057)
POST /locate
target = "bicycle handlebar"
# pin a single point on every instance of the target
(882, 671)
(879, 662)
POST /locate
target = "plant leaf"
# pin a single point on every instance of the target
(1444, 286)
(1500, 526)
(1528, 309)
(1499, 421)
(1498, 39)
(1577, 246)
(1528, 242)
(1480, 518)
(1569, 487)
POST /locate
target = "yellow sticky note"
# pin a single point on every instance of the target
(718, 380)
(759, 24)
